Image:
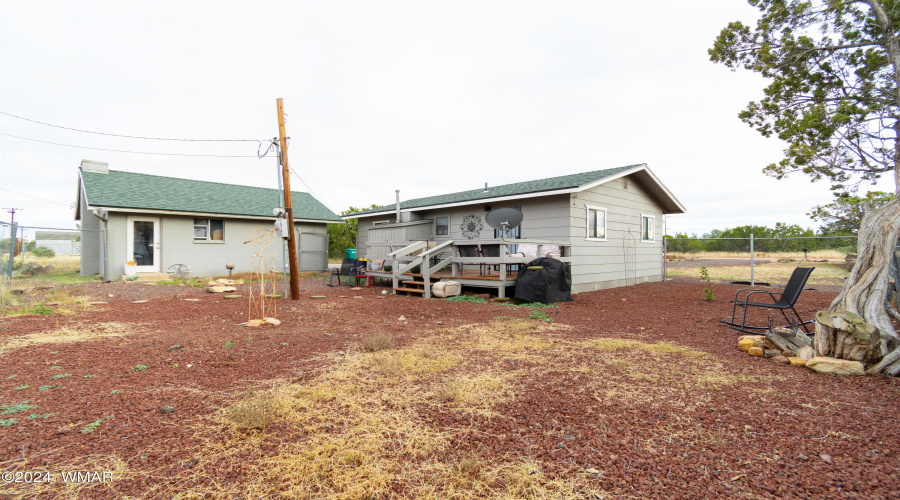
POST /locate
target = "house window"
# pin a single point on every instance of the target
(596, 223)
(381, 222)
(647, 234)
(209, 230)
(442, 225)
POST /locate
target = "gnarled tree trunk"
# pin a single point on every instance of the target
(866, 288)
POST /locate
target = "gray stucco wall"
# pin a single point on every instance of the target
(206, 258)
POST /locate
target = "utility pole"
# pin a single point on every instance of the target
(288, 209)
(12, 241)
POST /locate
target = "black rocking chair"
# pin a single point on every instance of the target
(785, 301)
(348, 269)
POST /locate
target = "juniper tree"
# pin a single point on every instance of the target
(834, 97)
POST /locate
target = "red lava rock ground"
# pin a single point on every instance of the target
(798, 434)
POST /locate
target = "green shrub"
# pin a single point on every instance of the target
(540, 316)
(43, 252)
(708, 292)
(466, 298)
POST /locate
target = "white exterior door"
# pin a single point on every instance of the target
(143, 243)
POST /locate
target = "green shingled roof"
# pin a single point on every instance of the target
(549, 184)
(153, 192)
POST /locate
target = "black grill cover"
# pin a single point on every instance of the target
(551, 284)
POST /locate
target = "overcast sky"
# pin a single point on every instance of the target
(424, 97)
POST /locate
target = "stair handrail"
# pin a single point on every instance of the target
(428, 269)
(396, 255)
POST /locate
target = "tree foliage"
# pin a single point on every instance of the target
(833, 95)
(844, 215)
(343, 236)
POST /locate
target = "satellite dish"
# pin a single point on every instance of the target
(504, 219)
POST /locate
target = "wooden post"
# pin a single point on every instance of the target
(288, 209)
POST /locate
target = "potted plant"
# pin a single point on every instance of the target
(130, 268)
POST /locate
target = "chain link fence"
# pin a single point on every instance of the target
(761, 261)
(32, 254)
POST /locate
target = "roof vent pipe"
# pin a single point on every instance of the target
(398, 204)
(485, 187)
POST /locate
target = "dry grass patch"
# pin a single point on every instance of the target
(410, 363)
(69, 334)
(613, 344)
(57, 488)
(377, 342)
(518, 339)
(476, 393)
(776, 273)
(362, 436)
(817, 255)
(257, 409)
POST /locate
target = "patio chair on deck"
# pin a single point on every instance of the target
(489, 251)
(467, 251)
(785, 301)
(348, 269)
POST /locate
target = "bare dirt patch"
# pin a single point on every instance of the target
(627, 393)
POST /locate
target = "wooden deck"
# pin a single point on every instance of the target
(466, 274)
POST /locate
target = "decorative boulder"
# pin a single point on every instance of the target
(835, 366)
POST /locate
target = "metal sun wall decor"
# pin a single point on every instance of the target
(471, 226)
(262, 303)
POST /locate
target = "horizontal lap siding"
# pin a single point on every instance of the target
(545, 217)
(602, 264)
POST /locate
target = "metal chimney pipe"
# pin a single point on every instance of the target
(485, 187)
(398, 204)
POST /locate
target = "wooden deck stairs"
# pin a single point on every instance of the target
(416, 285)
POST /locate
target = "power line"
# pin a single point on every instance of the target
(36, 198)
(123, 135)
(310, 189)
(126, 151)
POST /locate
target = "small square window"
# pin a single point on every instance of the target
(647, 233)
(596, 222)
(209, 230)
(441, 226)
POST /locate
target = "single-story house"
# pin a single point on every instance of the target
(61, 242)
(607, 224)
(160, 221)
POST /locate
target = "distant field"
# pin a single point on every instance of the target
(65, 269)
(817, 255)
(776, 273)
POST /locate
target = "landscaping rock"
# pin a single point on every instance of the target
(788, 353)
(233, 296)
(254, 323)
(823, 364)
(756, 351)
(771, 353)
(781, 360)
(797, 361)
(272, 321)
(167, 409)
(806, 353)
(221, 289)
(174, 347)
(746, 344)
